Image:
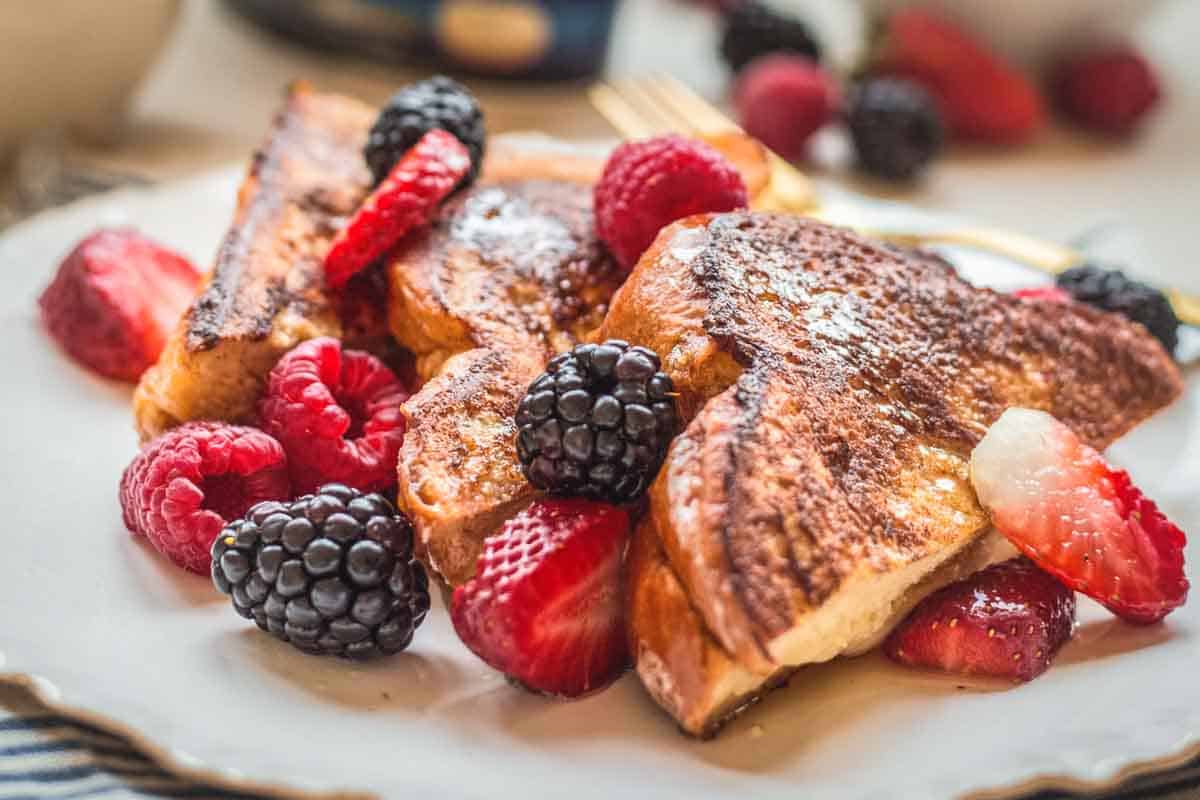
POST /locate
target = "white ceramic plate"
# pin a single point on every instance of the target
(111, 628)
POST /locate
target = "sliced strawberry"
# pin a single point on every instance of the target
(1078, 518)
(544, 606)
(1049, 294)
(1007, 621)
(981, 96)
(116, 299)
(406, 199)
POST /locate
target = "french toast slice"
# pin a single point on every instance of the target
(510, 274)
(835, 388)
(266, 291)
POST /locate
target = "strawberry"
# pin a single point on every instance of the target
(115, 299)
(1109, 90)
(1007, 621)
(544, 606)
(982, 98)
(406, 199)
(1050, 294)
(1079, 518)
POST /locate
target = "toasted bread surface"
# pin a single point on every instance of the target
(266, 291)
(836, 387)
(459, 475)
(692, 677)
(510, 274)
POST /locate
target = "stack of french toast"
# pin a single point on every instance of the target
(830, 389)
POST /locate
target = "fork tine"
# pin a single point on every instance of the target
(790, 189)
(1187, 307)
(643, 108)
(638, 94)
(687, 103)
(666, 106)
(619, 113)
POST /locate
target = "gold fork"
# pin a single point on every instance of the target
(662, 104)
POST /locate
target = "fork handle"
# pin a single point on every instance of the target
(1037, 253)
(1040, 254)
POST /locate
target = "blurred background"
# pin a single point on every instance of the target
(168, 88)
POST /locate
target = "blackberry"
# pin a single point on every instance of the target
(332, 573)
(1113, 290)
(438, 102)
(896, 127)
(597, 422)
(752, 29)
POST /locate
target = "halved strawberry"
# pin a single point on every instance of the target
(1079, 518)
(115, 300)
(981, 97)
(544, 606)
(1007, 621)
(406, 199)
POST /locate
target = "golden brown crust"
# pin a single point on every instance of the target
(679, 663)
(459, 475)
(510, 274)
(835, 464)
(513, 264)
(690, 675)
(266, 291)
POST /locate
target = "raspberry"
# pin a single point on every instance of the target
(1008, 621)
(418, 108)
(186, 485)
(651, 183)
(981, 97)
(895, 127)
(597, 423)
(753, 29)
(782, 100)
(407, 198)
(115, 299)
(1110, 91)
(337, 414)
(544, 606)
(331, 573)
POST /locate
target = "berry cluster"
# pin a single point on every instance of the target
(183, 487)
(754, 29)
(1112, 290)
(597, 423)
(924, 74)
(895, 127)
(427, 142)
(406, 199)
(332, 573)
(438, 103)
(337, 414)
(649, 184)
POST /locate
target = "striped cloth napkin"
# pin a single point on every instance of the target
(45, 756)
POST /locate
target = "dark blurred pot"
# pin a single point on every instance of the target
(544, 39)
